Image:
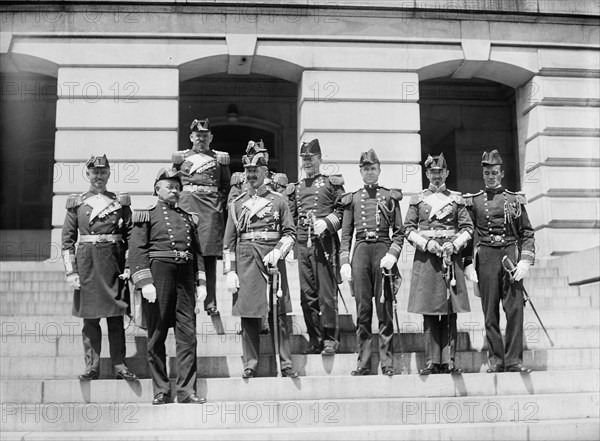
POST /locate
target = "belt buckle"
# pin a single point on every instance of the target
(102, 238)
(497, 238)
(370, 236)
(438, 233)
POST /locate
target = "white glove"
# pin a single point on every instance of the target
(233, 283)
(522, 270)
(471, 274)
(73, 281)
(272, 257)
(448, 248)
(320, 226)
(434, 248)
(388, 261)
(149, 292)
(200, 297)
(290, 256)
(346, 272)
(126, 274)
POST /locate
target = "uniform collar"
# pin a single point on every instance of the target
(374, 186)
(167, 204)
(432, 188)
(263, 189)
(496, 190)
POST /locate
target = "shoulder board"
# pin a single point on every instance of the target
(141, 215)
(222, 157)
(178, 157)
(416, 198)
(336, 179)
(472, 195)
(240, 196)
(237, 178)
(291, 188)
(123, 198)
(396, 194)
(346, 199)
(520, 196)
(74, 200)
(457, 197)
(280, 179)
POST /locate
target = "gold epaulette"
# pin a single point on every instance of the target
(123, 198)
(520, 196)
(346, 199)
(222, 157)
(291, 188)
(280, 179)
(336, 179)
(237, 178)
(416, 198)
(468, 197)
(141, 215)
(178, 157)
(396, 194)
(457, 197)
(74, 200)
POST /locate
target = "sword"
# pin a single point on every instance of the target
(510, 268)
(387, 277)
(275, 293)
(450, 279)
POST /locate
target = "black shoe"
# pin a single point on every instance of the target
(312, 349)
(330, 348)
(518, 368)
(125, 374)
(249, 373)
(89, 375)
(193, 399)
(496, 369)
(360, 371)
(289, 372)
(389, 371)
(450, 368)
(160, 398)
(430, 369)
(213, 311)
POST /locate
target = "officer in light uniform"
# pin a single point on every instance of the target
(502, 228)
(99, 222)
(206, 178)
(372, 211)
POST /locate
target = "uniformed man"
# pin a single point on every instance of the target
(168, 267)
(314, 202)
(502, 228)
(206, 185)
(100, 222)
(439, 227)
(258, 235)
(372, 211)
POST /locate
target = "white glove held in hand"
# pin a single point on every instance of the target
(522, 270)
(320, 226)
(126, 274)
(149, 292)
(73, 281)
(388, 261)
(434, 248)
(448, 248)
(272, 258)
(346, 272)
(200, 297)
(233, 283)
(471, 274)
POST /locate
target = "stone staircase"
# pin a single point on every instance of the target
(41, 356)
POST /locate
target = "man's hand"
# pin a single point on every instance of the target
(126, 274)
(448, 248)
(522, 270)
(388, 261)
(471, 274)
(233, 283)
(434, 248)
(200, 297)
(73, 281)
(320, 226)
(346, 272)
(149, 292)
(272, 257)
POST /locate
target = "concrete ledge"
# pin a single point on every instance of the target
(581, 267)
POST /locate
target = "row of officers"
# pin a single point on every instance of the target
(169, 252)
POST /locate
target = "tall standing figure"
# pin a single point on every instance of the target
(502, 228)
(100, 223)
(438, 225)
(372, 212)
(315, 206)
(205, 178)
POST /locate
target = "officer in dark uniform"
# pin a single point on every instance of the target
(168, 267)
(206, 185)
(100, 222)
(315, 206)
(259, 233)
(502, 228)
(439, 227)
(372, 211)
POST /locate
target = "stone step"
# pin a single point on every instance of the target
(299, 413)
(307, 388)
(213, 366)
(522, 428)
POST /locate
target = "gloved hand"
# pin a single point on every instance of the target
(448, 248)
(149, 292)
(471, 274)
(290, 256)
(434, 248)
(73, 281)
(126, 274)
(346, 272)
(522, 270)
(320, 226)
(233, 283)
(272, 257)
(388, 261)
(200, 297)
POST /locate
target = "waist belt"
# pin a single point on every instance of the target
(260, 235)
(498, 240)
(94, 238)
(371, 236)
(205, 188)
(437, 233)
(185, 255)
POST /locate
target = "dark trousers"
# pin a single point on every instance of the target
(437, 348)
(251, 342)
(92, 342)
(367, 283)
(174, 306)
(494, 288)
(210, 268)
(317, 293)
